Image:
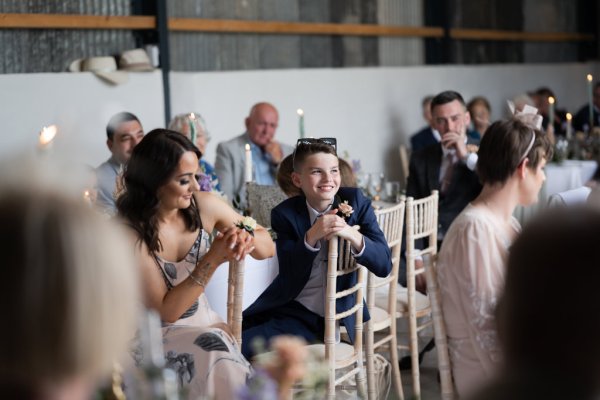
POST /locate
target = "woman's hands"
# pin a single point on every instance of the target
(232, 244)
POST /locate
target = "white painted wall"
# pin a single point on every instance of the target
(370, 110)
(80, 104)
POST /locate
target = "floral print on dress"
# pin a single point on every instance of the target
(206, 359)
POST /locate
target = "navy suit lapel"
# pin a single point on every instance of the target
(302, 218)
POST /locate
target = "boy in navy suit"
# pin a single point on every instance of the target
(294, 302)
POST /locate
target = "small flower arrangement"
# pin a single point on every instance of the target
(205, 183)
(248, 224)
(289, 362)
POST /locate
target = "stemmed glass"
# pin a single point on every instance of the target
(376, 182)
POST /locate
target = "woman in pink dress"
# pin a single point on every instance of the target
(172, 222)
(472, 260)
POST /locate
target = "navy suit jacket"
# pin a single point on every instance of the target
(424, 176)
(290, 220)
(422, 139)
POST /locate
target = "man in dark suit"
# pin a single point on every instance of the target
(294, 302)
(447, 166)
(426, 136)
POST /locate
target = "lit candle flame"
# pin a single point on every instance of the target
(569, 116)
(551, 100)
(47, 135)
(247, 147)
(300, 112)
(589, 77)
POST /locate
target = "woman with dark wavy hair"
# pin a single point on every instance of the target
(172, 221)
(472, 261)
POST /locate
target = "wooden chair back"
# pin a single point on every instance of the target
(391, 222)
(235, 299)
(340, 261)
(421, 223)
(439, 328)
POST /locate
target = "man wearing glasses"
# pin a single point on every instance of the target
(267, 153)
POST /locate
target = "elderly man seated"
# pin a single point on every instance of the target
(267, 153)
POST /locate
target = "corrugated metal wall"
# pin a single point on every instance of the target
(401, 51)
(30, 50)
(52, 50)
(550, 16)
(205, 52)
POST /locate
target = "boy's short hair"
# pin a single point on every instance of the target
(308, 147)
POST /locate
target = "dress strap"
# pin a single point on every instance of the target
(162, 270)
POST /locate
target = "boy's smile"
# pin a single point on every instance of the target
(319, 179)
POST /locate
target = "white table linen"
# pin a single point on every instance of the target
(258, 275)
(568, 175)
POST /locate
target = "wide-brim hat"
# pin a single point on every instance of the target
(103, 67)
(135, 60)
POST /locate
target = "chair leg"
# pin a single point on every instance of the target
(331, 385)
(361, 382)
(414, 354)
(370, 362)
(396, 377)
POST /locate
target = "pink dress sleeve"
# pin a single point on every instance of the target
(471, 272)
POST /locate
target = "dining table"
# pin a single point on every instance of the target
(258, 275)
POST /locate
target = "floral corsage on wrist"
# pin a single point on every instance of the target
(248, 224)
(344, 209)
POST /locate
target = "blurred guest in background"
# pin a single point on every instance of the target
(480, 112)
(427, 135)
(124, 131)
(267, 153)
(72, 295)
(558, 116)
(550, 341)
(581, 120)
(472, 259)
(447, 167)
(193, 127)
(521, 100)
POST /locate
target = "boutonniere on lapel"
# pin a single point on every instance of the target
(345, 210)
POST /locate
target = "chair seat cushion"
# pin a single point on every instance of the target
(381, 299)
(378, 314)
(342, 351)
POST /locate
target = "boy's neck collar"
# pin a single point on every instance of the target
(320, 209)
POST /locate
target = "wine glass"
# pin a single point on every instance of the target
(376, 181)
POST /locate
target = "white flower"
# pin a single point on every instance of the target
(248, 224)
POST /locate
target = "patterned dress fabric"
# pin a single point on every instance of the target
(206, 359)
(471, 272)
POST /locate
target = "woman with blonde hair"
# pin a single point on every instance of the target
(193, 127)
(472, 260)
(70, 296)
